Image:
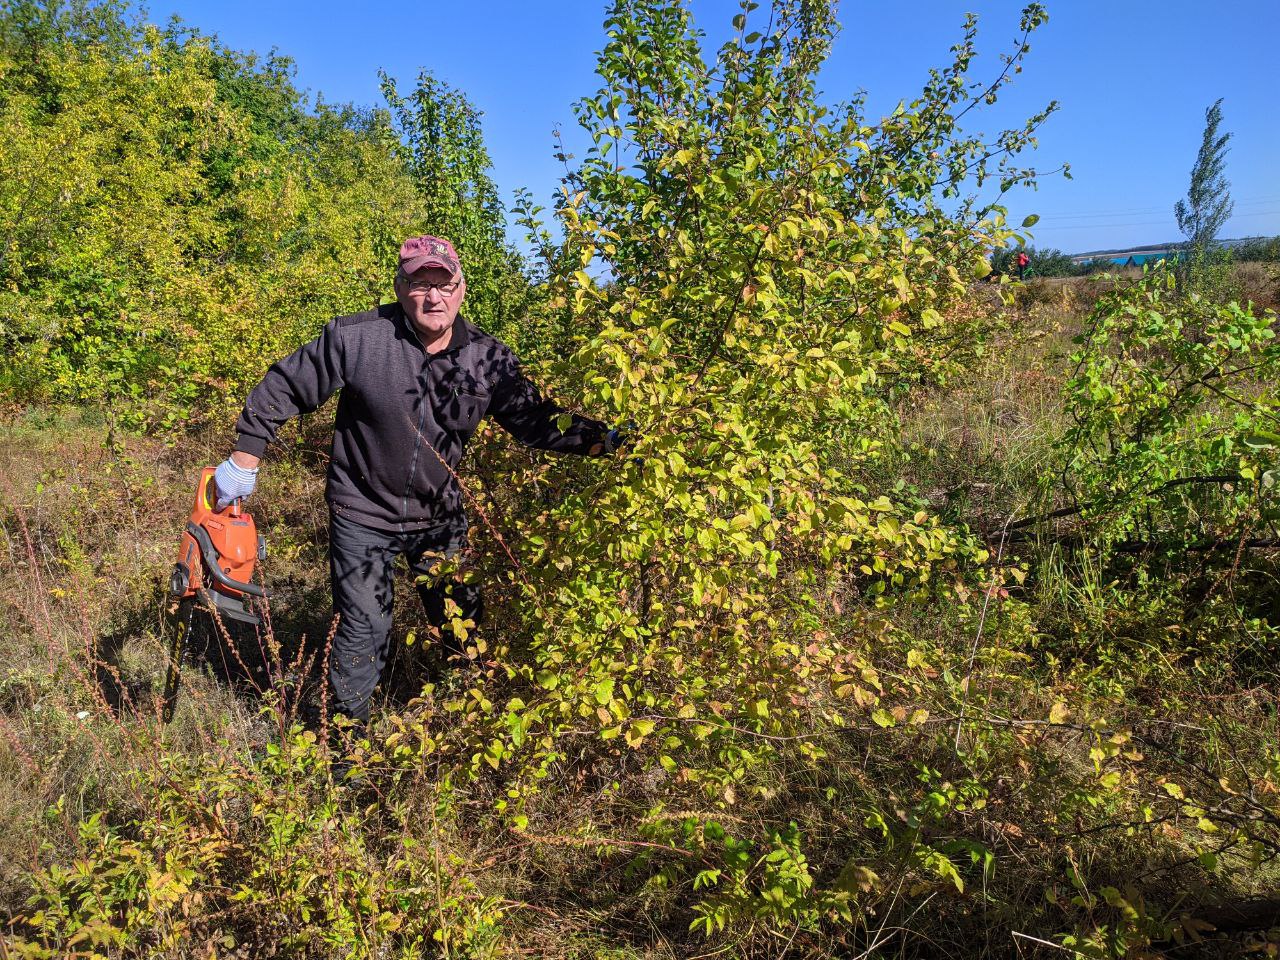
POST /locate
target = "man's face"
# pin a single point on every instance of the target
(431, 310)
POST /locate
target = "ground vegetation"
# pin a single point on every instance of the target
(924, 617)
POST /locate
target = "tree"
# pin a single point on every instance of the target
(203, 217)
(441, 145)
(1207, 205)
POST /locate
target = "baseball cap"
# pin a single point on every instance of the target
(427, 251)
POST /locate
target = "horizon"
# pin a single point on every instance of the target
(1129, 164)
(1169, 245)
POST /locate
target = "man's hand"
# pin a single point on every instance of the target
(614, 439)
(619, 437)
(235, 478)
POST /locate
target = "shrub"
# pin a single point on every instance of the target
(742, 682)
(204, 217)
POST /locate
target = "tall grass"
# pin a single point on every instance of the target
(1037, 739)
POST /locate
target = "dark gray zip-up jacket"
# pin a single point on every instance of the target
(402, 411)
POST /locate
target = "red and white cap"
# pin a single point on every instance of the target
(419, 252)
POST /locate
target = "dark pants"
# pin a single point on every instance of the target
(361, 574)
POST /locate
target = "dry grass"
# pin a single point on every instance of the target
(1259, 284)
(89, 528)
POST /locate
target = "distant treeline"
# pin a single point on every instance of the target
(1045, 262)
(1051, 262)
(1263, 250)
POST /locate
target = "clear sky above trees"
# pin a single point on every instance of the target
(1133, 79)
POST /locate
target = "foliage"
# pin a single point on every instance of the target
(439, 134)
(759, 368)
(759, 680)
(1207, 205)
(203, 217)
(1266, 250)
(1164, 482)
(1209, 274)
(1174, 412)
(293, 875)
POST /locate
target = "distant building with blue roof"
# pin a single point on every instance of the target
(1155, 253)
(1141, 259)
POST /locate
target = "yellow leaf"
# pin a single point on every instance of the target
(638, 731)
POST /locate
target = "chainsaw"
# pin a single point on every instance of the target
(212, 575)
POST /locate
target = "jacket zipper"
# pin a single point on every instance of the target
(422, 419)
(413, 466)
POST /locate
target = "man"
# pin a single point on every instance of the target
(416, 379)
(1023, 260)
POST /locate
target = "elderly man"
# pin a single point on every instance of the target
(416, 379)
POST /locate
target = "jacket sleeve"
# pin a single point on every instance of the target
(297, 384)
(522, 411)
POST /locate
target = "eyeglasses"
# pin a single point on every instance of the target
(421, 286)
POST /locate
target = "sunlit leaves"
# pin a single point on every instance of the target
(1173, 407)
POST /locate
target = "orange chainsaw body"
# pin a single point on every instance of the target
(217, 555)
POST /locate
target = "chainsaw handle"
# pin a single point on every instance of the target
(209, 495)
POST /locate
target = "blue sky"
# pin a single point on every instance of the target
(1133, 79)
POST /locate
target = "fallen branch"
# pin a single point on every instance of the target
(1081, 508)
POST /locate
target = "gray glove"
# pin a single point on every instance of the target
(233, 482)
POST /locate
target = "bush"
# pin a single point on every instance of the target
(204, 218)
(742, 683)
(1264, 250)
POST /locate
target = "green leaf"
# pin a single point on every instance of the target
(638, 731)
(603, 692)
(882, 717)
(1260, 439)
(493, 753)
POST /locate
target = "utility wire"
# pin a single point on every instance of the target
(1139, 223)
(1139, 211)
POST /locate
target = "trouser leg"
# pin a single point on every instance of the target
(435, 590)
(360, 568)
